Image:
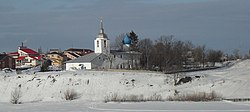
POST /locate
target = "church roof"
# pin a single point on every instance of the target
(86, 58)
(101, 35)
(125, 52)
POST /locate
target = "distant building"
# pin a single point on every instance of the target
(7, 62)
(104, 58)
(26, 57)
(56, 57)
(73, 53)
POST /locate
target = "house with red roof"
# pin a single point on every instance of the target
(26, 57)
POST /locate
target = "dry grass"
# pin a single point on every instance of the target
(201, 96)
(131, 98)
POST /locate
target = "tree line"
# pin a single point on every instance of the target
(167, 53)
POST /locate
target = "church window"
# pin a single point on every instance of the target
(97, 43)
(105, 43)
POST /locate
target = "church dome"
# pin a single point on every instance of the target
(102, 35)
(126, 40)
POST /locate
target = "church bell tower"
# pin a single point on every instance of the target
(101, 43)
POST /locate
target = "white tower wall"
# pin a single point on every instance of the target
(102, 43)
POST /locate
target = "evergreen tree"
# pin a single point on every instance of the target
(134, 41)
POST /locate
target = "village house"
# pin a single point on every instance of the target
(26, 57)
(104, 58)
(56, 57)
(7, 62)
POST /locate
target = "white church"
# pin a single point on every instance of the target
(104, 58)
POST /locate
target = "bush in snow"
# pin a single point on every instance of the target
(126, 98)
(131, 98)
(70, 94)
(201, 96)
(112, 97)
(15, 96)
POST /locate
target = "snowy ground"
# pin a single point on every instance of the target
(127, 107)
(93, 86)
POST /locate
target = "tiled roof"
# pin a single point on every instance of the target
(20, 57)
(29, 51)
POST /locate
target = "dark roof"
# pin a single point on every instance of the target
(85, 58)
(2, 56)
(73, 54)
(75, 49)
(113, 51)
(56, 53)
(123, 52)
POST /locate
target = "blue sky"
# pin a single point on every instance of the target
(218, 24)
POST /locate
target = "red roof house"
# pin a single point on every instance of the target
(26, 57)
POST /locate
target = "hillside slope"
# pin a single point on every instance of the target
(96, 85)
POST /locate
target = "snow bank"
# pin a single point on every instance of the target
(96, 85)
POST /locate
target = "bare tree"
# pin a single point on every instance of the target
(199, 55)
(157, 57)
(236, 53)
(145, 46)
(118, 44)
(214, 56)
(111, 59)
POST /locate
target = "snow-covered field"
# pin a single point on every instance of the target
(126, 107)
(46, 90)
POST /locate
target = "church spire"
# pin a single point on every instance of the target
(102, 29)
(101, 33)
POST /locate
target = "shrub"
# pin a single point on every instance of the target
(201, 96)
(131, 98)
(70, 94)
(15, 96)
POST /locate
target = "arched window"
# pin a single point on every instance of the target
(97, 43)
(105, 43)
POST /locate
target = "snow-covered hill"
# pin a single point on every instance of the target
(96, 85)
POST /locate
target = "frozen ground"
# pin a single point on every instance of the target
(93, 86)
(127, 107)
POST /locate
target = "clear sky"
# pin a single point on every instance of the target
(218, 24)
